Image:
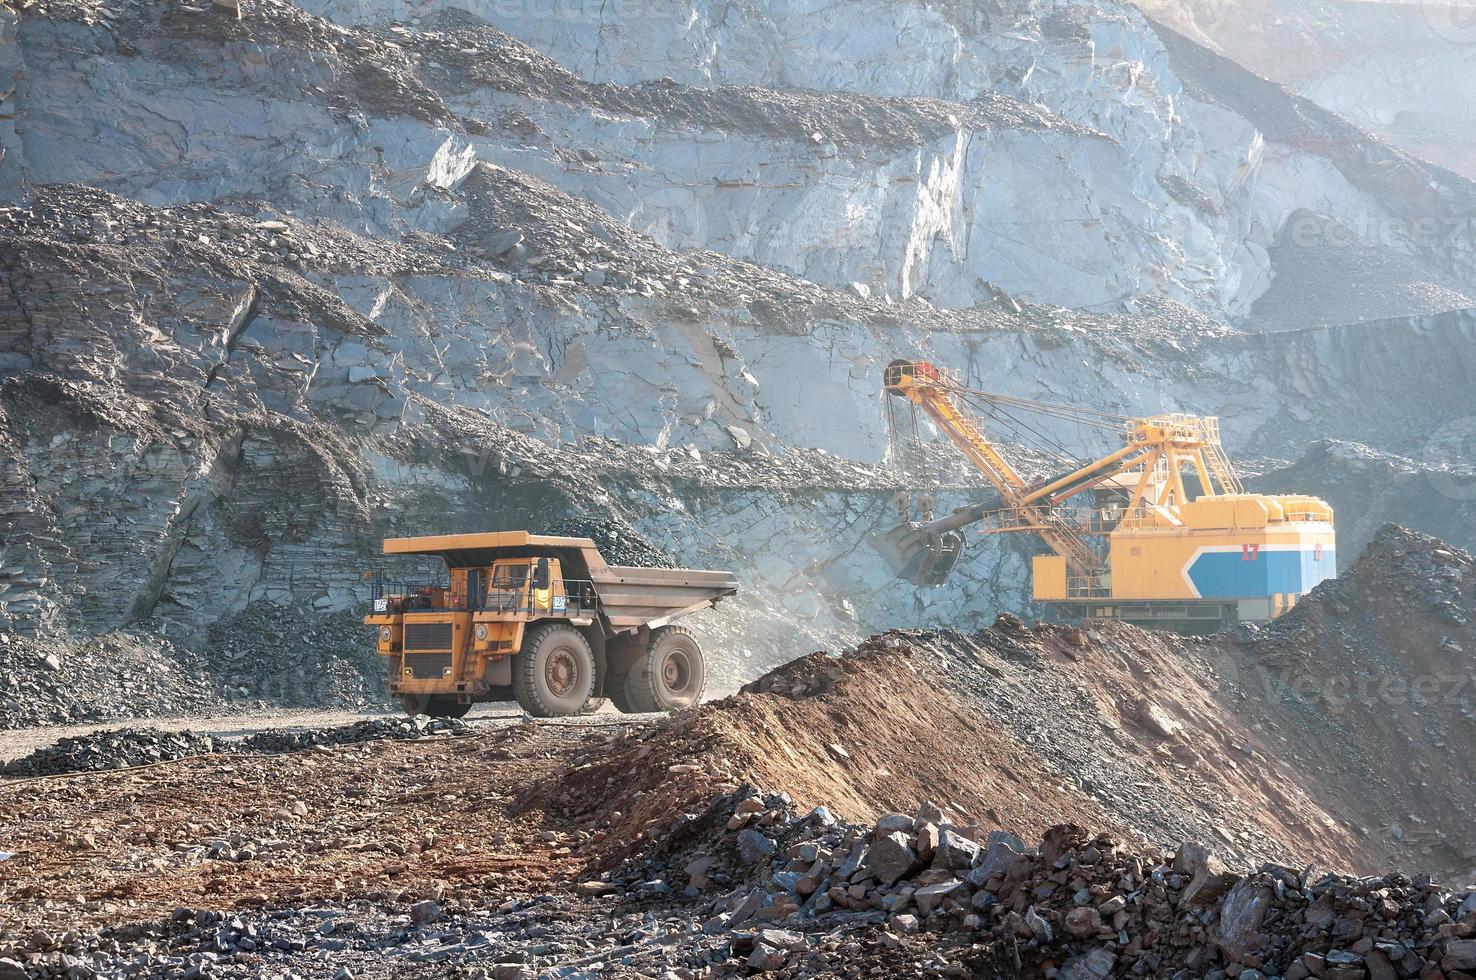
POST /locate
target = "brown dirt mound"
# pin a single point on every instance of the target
(926, 716)
(862, 734)
(877, 730)
(1311, 740)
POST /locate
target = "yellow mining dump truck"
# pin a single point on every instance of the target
(543, 620)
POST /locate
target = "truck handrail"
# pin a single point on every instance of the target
(580, 599)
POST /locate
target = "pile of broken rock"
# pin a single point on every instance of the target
(125, 748)
(127, 674)
(1075, 907)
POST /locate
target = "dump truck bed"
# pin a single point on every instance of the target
(630, 597)
(634, 597)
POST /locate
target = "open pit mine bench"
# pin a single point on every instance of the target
(543, 620)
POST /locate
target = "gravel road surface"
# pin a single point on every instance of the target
(239, 724)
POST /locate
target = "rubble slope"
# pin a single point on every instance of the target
(1268, 742)
(1366, 688)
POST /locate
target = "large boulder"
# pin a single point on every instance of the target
(954, 852)
(892, 857)
(1241, 916)
(1209, 880)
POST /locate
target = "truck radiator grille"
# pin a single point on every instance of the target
(428, 636)
(425, 666)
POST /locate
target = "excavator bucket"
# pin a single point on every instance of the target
(919, 554)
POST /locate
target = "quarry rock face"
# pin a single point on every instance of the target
(1401, 71)
(283, 280)
(279, 281)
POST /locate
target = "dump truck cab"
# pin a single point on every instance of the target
(541, 619)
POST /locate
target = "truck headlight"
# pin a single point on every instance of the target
(384, 634)
(481, 631)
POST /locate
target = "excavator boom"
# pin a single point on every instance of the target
(925, 554)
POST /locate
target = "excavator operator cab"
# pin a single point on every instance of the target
(900, 373)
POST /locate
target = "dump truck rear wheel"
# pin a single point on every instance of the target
(554, 673)
(434, 705)
(671, 674)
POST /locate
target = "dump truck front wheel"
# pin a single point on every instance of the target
(435, 705)
(554, 673)
(671, 674)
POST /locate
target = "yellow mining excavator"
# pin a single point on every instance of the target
(1141, 549)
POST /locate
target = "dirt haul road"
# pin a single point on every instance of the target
(236, 725)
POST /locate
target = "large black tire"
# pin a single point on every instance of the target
(554, 673)
(434, 705)
(671, 674)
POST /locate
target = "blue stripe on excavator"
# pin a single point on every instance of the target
(1234, 575)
